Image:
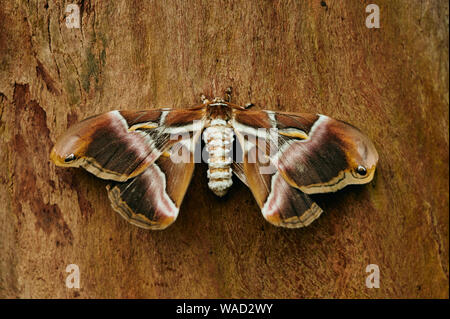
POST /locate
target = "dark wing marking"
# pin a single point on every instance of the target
(328, 158)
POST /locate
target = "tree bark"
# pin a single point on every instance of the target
(299, 56)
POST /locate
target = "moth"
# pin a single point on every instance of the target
(148, 158)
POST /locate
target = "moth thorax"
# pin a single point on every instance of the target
(219, 142)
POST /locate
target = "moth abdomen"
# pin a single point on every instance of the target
(219, 141)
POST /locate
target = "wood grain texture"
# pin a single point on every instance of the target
(298, 56)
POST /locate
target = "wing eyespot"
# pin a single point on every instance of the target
(70, 158)
(361, 170)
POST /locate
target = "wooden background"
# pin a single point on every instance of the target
(303, 56)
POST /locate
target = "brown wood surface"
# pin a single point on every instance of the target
(299, 56)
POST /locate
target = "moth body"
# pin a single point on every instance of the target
(219, 141)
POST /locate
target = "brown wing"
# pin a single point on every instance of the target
(287, 156)
(152, 199)
(120, 145)
(313, 153)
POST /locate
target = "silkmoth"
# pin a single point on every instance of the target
(148, 158)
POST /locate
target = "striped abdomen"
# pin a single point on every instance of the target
(219, 141)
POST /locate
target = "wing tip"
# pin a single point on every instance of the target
(303, 220)
(134, 218)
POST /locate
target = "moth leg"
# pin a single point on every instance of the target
(204, 99)
(228, 94)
